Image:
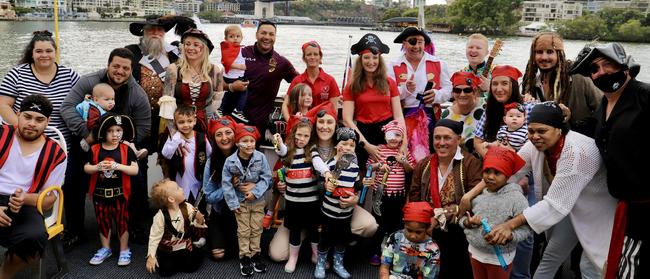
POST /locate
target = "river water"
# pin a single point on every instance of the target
(85, 45)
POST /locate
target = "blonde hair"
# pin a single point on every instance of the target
(359, 78)
(478, 36)
(102, 88)
(206, 67)
(231, 28)
(158, 193)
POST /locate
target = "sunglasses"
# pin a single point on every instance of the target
(414, 41)
(466, 90)
(224, 122)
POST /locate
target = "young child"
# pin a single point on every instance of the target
(514, 131)
(233, 102)
(300, 100)
(170, 239)
(411, 253)
(187, 151)
(499, 202)
(302, 192)
(94, 106)
(337, 208)
(250, 170)
(110, 163)
(390, 175)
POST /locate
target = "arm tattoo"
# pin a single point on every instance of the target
(170, 79)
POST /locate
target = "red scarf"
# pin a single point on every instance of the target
(434, 188)
(553, 155)
(617, 241)
(229, 53)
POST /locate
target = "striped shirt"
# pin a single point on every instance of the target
(515, 138)
(21, 82)
(396, 175)
(331, 205)
(301, 180)
(480, 132)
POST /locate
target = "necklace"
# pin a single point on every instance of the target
(325, 152)
(196, 78)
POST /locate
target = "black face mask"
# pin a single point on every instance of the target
(611, 82)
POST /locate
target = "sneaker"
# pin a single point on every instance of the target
(70, 240)
(125, 258)
(246, 267)
(239, 116)
(258, 265)
(101, 255)
(375, 260)
(219, 113)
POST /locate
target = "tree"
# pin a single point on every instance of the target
(583, 27)
(212, 16)
(487, 16)
(411, 12)
(614, 17)
(391, 13)
(632, 31)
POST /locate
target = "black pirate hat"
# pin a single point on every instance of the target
(369, 42)
(110, 119)
(137, 28)
(412, 31)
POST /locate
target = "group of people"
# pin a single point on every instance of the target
(478, 189)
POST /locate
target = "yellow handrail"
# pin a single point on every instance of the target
(56, 31)
(45, 193)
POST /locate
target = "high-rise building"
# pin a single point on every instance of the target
(550, 10)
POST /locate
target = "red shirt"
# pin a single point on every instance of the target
(371, 106)
(323, 88)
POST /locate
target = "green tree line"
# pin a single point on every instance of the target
(609, 24)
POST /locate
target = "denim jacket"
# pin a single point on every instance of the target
(258, 172)
(213, 191)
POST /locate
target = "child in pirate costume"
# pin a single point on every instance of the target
(388, 184)
(29, 162)
(110, 163)
(170, 239)
(187, 152)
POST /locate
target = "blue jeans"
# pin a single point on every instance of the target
(524, 254)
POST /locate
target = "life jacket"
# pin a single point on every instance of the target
(177, 164)
(50, 157)
(124, 157)
(432, 69)
(166, 243)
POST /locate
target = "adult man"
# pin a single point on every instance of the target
(151, 58)
(414, 69)
(265, 69)
(36, 162)
(455, 172)
(130, 100)
(621, 131)
(547, 78)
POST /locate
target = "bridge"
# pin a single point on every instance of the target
(263, 8)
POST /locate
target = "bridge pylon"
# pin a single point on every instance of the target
(264, 9)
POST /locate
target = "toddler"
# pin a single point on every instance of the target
(233, 102)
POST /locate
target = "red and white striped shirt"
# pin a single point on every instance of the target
(396, 177)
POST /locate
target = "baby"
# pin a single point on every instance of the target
(514, 131)
(235, 66)
(94, 106)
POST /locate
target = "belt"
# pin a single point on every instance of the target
(108, 192)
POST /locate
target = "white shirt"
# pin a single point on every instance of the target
(442, 177)
(236, 73)
(18, 170)
(188, 180)
(420, 77)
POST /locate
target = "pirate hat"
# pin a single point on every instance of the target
(137, 28)
(612, 51)
(412, 31)
(110, 119)
(371, 43)
(196, 33)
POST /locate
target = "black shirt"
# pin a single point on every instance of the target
(111, 178)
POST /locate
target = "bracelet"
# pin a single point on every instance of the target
(230, 87)
(99, 167)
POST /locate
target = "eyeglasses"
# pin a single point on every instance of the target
(414, 41)
(466, 90)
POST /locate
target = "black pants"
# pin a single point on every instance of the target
(178, 261)
(374, 135)
(390, 219)
(454, 257)
(334, 232)
(222, 232)
(75, 187)
(26, 237)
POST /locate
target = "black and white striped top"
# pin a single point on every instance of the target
(21, 82)
(516, 138)
(301, 179)
(331, 205)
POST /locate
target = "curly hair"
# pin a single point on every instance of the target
(37, 36)
(559, 76)
(158, 193)
(291, 143)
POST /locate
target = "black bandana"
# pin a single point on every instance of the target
(39, 105)
(548, 113)
(455, 126)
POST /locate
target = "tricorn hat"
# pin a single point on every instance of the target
(137, 28)
(196, 33)
(369, 42)
(412, 31)
(110, 119)
(611, 51)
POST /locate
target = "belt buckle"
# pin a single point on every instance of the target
(106, 193)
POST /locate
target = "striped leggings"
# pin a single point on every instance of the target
(108, 210)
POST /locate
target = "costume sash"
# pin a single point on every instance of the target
(434, 188)
(432, 70)
(617, 241)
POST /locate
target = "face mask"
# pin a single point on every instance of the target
(611, 82)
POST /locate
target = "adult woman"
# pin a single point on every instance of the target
(371, 98)
(37, 72)
(441, 179)
(504, 89)
(222, 227)
(575, 206)
(193, 80)
(363, 224)
(323, 86)
(467, 107)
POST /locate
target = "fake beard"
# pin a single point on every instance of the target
(610, 82)
(152, 47)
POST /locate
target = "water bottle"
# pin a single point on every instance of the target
(268, 219)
